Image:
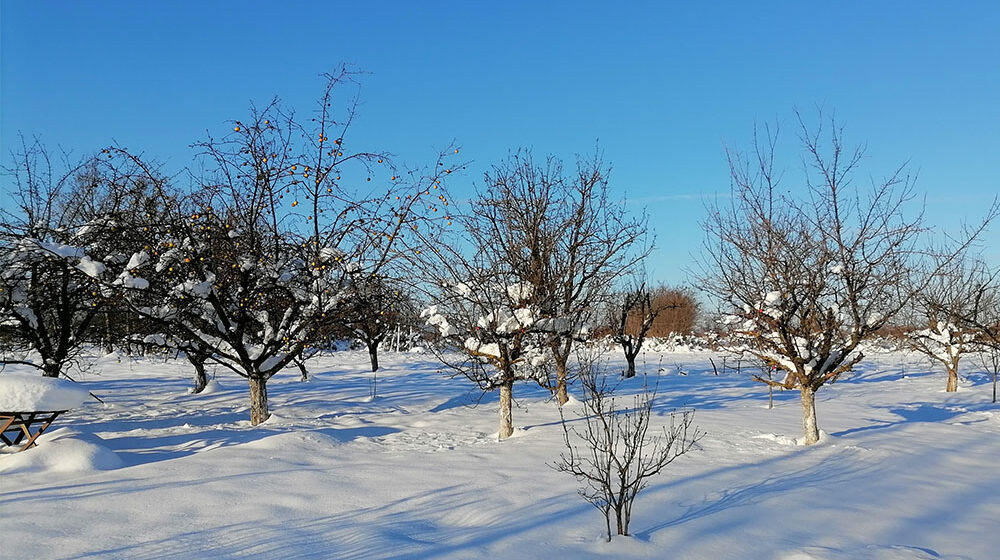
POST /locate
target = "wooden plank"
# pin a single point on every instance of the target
(8, 420)
(21, 423)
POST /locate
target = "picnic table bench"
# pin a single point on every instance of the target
(25, 424)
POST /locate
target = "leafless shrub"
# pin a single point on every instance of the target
(614, 454)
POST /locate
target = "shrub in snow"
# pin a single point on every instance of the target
(614, 454)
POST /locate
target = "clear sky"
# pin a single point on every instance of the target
(662, 85)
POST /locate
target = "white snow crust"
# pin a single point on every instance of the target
(907, 472)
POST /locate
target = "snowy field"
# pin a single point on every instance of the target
(906, 472)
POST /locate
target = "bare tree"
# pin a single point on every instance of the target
(632, 315)
(268, 250)
(946, 297)
(596, 243)
(379, 307)
(807, 278)
(981, 314)
(56, 248)
(493, 331)
(619, 454)
(515, 287)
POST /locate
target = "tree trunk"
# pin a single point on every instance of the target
(630, 361)
(506, 410)
(106, 343)
(631, 351)
(258, 400)
(952, 376)
(809, 414)
(373, 354)
(200, 379)
(562, 393)
(50, 370)
(770, 388)
(303, 371)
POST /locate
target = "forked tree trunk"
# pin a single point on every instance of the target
(809, 424)
(303, 371)
(623, 516)
(631, 351)
(630, 364)
(258, 400)
(50, 370)
(506, 410)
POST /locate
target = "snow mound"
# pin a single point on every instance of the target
(518, 432)
(291, 441)
(572, 401)
(785, 440)
(21, 393)
(212, 386)
(59, 451)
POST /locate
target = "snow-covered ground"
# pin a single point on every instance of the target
(906, 472)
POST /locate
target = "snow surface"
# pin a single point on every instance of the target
(906, 470)
(26, 393)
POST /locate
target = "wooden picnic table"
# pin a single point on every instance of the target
(20, 425)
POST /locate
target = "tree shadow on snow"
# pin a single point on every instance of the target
(911, 413)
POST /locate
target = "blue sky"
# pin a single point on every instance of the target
(663, 86)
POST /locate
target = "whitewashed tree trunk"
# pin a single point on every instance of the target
(809, 415)
(952, 368)
(506, 410)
